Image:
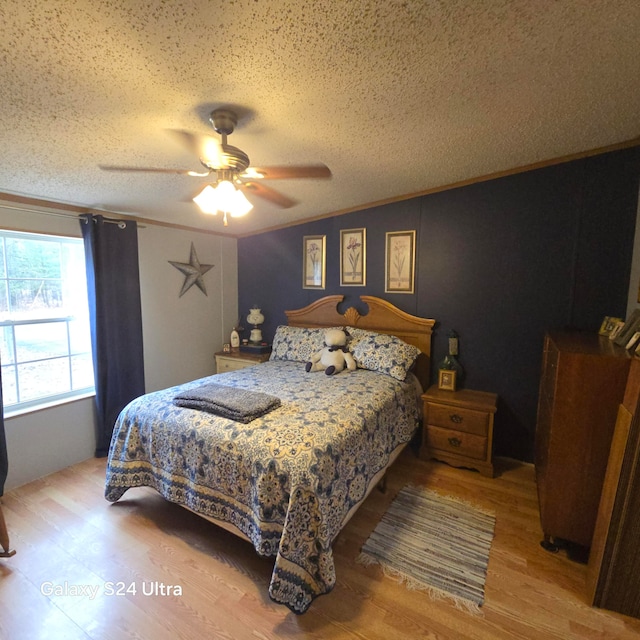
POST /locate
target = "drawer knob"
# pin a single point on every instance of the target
(455, 442)
(454, 417)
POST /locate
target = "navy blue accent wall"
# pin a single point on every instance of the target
(500, 262)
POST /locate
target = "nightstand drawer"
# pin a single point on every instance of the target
(450, 417)
(227, 364)
(456, 442)
(232, 361)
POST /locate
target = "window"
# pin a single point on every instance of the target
(45, 341)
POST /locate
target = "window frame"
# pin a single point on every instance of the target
(53, 399)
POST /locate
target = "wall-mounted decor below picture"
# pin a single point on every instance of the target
(193, 272)
(313, 262)
(353, 257)
(400, 262)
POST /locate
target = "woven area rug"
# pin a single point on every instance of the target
(435, 543)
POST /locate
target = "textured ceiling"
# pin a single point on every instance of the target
(396, 97)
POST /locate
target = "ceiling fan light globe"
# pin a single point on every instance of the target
(225, 195)
(225, 198)
(207, 200)
(241, 206)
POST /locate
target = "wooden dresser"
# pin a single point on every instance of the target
(582, 384)
(458, 428)
(613, 576)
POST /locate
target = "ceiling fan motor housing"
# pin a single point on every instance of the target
(234, 158)
(224, 121)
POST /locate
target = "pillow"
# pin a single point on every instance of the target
(296, 343)
(382, 352)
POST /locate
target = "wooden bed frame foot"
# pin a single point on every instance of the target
(382, 485)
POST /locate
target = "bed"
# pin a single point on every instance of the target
(289, 480)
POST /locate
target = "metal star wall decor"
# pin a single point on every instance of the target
(193, 272)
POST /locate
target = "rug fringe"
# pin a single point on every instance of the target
(412, 584)
(462, 501)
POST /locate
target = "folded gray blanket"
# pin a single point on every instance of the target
(241, 405)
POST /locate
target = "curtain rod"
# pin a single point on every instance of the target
(122, 224)
(63, 215)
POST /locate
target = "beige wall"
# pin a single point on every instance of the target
(180, 337)
(182, 334)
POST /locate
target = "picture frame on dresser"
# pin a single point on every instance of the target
(631, 325)
(633, 341)
(447, 379)
(618, 325)
(608, 325)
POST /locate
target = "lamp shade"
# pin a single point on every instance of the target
(255, 318)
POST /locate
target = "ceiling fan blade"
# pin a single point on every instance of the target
(182, 172)
(284, 172)
(207, 149)
(273, 196)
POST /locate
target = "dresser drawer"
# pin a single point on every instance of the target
(457, 442)
(458, 418)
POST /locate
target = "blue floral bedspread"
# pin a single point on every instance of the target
(286, 480)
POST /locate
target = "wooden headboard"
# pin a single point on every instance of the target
(383, 317)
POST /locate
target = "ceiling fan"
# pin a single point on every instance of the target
(233, 173)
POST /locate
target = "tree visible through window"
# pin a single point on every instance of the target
(45, 343)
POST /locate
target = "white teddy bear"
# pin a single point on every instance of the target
(335, 355)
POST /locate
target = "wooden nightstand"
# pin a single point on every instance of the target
(234, 360)
(458, 428)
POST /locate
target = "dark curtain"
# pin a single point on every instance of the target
(113, 283)
(4, 460)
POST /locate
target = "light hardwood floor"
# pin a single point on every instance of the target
(66, 533)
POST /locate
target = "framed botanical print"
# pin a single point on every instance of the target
(400, 261)
(353, 257)
(313, 262)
